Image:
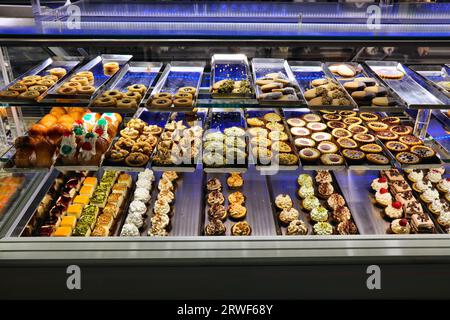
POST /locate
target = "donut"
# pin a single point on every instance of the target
(190, 90)
(105, 102)
(81, 80)
(36, 78)
(31, 94)
(86, 90)
(161, 103)
(86, 74)
(41, 89)
(165, 95)
(18, 87)
(137, 88)
(182, 102)
(58, 72)
(183, 95)
(113, 94)
(9, 94)
(132, 95)
(50, 77)
(28, 83)
(127, 103)
(67, 90)
(47, 83)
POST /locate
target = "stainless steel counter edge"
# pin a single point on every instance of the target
(217, 251)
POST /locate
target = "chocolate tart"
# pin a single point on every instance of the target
(356, 128)
(296, 122)
(410, 140)
(371, 148)
(215, 228)
(321, 136)
(391, 120)
(241, 228)
(353, 155)
(396, 146)
(347, 143)
(347, 113)
(386, 135)
(407, 158)
(331, 159)
(352, 120)
(341, 133)
(369, 116)
(377, 126)
(316, 126)
(332, 117)
(335, 124)
(304, 142)
(217, 212)
(401, 130)
(325, 190)
(311, 117)
(423, 151)
(309, 154)
(327, 147)
(364, 138)
(300, 131)
(377, 158)
(213, 184)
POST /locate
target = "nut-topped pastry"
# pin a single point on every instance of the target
(341, 133)
(215, 228)
(396, 146)
(297, 228)
(401, 130)
(407, 158)
(241, 228)
(371, 148)
(422, 151)
(347, 143)
(377, 158)
(287, 216)
(410, 140)
(235, 180)
(353, 155)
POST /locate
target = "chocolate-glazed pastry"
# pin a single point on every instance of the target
(241, 228)
(217, 212)
(213, 184)
(347, 227)
(335, 200)
(325, 189)
(341, 213)
(215, 228)
(215, 197)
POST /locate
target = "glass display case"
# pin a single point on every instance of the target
(263, 139)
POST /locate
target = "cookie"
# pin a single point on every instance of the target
(367, 81)
(384, 101)
(393, 74)
(377, 90)
(269, 87)
(319, 82)
(363, 96)
(354, 86)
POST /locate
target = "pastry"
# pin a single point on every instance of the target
(309, 154)
(137, 88)
(304, 180)
(335, 124)
(347, 143)
(236, 197)
(286, 216)
(280, 146)
(401, 130)
(323, 176)
(394, 210)
(341, 133)
(396, 146)
(341, 214)
(391, 120)
(389, 73)
(416, 175)
(352, 120)
(237, 211)
(296, 122)
(323, 228)
(297, 228)
(377, 126)
(353, 155)
(215, 197)
(410, 140)
(400, 226)
(287, 159)
(407, 158)
(421, 223)
(311, 117)
(300, 131)
(364, 138)
(383, 197)
(283, 201)
(217, 212)
(434, 175)
(443, 185)
(332, 159)
(255, 122)
(335, 200)
(379, 183)
(327, 147)
(305, 191)
(278, 136)
(316, 126)
(319, 214)
(213, 184)
(377, 158)
(272, 117)
(346, 228)
(310, 203)
(321, 136)
(354, 86)
(376, 90)
(422, 151)
(444, 219)
(371, 148)
(429, 195)
(356, 128)
(275, 126)
(241, 228)
(304, 142)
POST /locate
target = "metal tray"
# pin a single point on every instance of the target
(263, 66)
(429, 76)
(66, 62)
(259, 211)
(200, 119)
(306, 71)
(100, 80)
(178, 74)
(316, 165)
(135, 72)
(272, 166)
(416, 96)
(363, 73)
(230, 66)
(219, 120)
(151, 118)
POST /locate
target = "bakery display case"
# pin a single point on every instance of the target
(233, 136)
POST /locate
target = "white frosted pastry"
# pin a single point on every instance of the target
(137, 207)
(135, 219)
(379, 183)
(436, 206)
(142, 194)
(415, 176)
(400, 226)
(283, 201)
(422, 185)
(444, 219)
(383, 198)
(429, 195)
(444, 185)
(129, 230)
(146, 175)
(144, 183)
(434, 175)
(394, 210)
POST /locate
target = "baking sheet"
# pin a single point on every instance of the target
(199, 118)
(178, 74)
(416, 96)
(258, 203)
(263, 66)
(100, 79)
(363, 73)
(307, 71)
(67, 62)
(230, 66)
(135, 72)
(219, 120)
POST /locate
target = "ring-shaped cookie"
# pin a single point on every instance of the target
(132, 95)
(137, 88)
(165, 95)
(86, 90)
(190, 90)
(127, 103)
(67, 90)
(161, 103)
(81, 80)
(182, 102)
(47, 83)
(113, 94)
(105, 102)
(183, 95)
